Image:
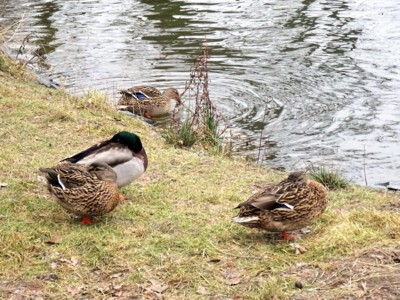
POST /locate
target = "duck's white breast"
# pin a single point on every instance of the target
(129, 171)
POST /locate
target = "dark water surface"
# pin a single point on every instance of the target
(319, 79)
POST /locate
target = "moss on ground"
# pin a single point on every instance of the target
(173, 238)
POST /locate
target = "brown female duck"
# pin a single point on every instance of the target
(84, 190)
(148, 101)
(289, 205)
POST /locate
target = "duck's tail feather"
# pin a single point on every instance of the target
(251, 219)
(52, 177)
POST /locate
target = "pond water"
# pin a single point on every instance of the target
(318, 81)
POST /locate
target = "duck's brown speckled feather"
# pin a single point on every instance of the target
(288, 205)
(84, 190)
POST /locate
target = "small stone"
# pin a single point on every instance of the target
(305, 230)
(53, 277)
(302, 250)
(298, 249)
(298, 284)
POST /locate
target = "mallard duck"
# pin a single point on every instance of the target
(84, 190)
(123, 152)
(148, 101)
(289, 205)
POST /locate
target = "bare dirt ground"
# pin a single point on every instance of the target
(371, 274)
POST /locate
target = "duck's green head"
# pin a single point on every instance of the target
(129, 139)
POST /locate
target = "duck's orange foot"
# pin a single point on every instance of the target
(87, 221)
(121, 197)
(147, 115)
(287, 237)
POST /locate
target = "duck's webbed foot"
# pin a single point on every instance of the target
(87, 221)
(287, 237)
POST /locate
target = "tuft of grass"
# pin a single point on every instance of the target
(13, 68)
(211, 137)
(182, 135)
(211, 134)
(176, 219)
(330, 179)
(93, 100)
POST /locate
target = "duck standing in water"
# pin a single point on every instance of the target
(148, 101)
(123, 152)
(83, 190)
(289, 205)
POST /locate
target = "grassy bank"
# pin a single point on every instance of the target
(173, 238)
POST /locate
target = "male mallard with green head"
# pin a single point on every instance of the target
(148, 101)
(84, 190)
(123, 152)
(289, 205)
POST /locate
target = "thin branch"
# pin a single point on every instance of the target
(365, 171)
(5, 4)
(25, 40)
(18, 25)
(261, 135)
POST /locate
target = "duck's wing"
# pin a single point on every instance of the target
(108, 152)
(141, 92)
(88, 152)
(264, 200)
(282, 195)
(149, 91)
(67, 176)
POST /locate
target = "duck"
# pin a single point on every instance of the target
(83, 190)
(124, 153)
(286, 206)
(148, 101)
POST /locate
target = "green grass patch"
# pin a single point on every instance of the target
(173, 236)
(329, 178)
(182, 135)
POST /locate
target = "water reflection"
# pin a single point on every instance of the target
(300, 80)
(47, 31)
(165, 15)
